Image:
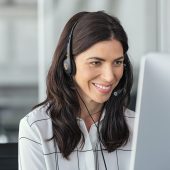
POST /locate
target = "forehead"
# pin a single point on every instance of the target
(110, 49)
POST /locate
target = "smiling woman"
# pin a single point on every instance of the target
(84, 123)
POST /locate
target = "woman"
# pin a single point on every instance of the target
(84, 123)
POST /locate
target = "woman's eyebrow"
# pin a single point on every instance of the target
(119, 58)
(101, 59)
(96, 58)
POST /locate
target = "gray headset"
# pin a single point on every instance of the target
(68, 62)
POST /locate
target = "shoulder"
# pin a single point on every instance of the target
(129, 113)
(37, 115)
(37, 123)
(130, 118)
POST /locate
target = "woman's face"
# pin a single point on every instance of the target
(99, 70)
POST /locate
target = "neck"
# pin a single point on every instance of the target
(90, 108)
(90, 113)
(89, 120)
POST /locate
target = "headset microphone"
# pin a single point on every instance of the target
(116, 93)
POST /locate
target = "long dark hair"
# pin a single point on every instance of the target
(62, 101)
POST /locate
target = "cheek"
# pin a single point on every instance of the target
(83, 74)
(119, 73)
(81, 78)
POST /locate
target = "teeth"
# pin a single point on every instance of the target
(102, 87)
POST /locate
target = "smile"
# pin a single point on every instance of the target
(102, 88)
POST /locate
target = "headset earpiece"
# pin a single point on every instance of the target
(67, 63)
(67, 66)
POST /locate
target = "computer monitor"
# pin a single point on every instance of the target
(151, 142)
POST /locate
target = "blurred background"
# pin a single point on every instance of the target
(29, 32)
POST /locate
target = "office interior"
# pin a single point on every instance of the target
(30, 29)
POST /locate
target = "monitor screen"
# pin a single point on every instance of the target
(151, 142)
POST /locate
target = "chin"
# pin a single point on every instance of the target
(101, 101)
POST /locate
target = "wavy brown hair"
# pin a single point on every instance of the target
(62, 100)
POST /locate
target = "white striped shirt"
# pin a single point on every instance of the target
(35, 153)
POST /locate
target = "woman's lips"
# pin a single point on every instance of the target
(103, 88)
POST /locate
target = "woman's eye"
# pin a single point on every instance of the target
(118, 63)
(95, 63)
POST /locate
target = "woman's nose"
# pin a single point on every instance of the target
(108, 73)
